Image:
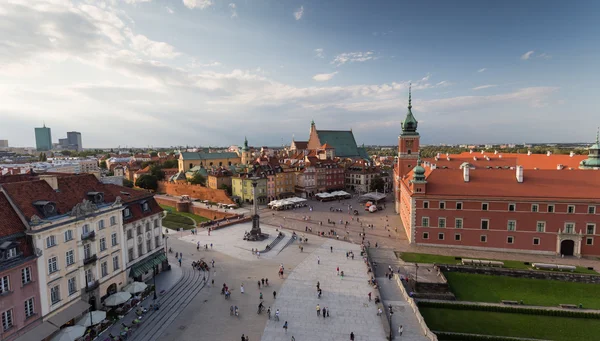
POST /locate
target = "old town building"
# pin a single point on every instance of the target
(360, 175)
(531, 203)
(188, 160)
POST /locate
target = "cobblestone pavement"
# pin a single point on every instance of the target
(350, 310)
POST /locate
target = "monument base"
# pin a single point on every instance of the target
(255, 233)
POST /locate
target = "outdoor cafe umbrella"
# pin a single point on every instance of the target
(69, 333)
(135, 287)
(117, 298)
(92, 318)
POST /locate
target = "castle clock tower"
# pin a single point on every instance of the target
(408, 141)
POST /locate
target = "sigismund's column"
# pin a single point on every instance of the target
(255, 218)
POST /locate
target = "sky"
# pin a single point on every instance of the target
(209, 72)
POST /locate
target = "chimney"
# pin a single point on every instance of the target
(571, 154)
(466, 173)
(519, 173)
(448, 158)
(433, 166)
(52, 180)
(528, 152)
(559, 166)
(475, 158)
(500, 156)
(482, 151)
(470, 151)
(437, 155)
(548, 153)
(495, 152)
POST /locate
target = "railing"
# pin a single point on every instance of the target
(90, 259)
(88, 236)
(92, 285)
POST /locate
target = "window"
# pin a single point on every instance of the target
(483, 238)
(510, 239)
(148, 245)
(550, 209)
(25, 275)
(139, 229)
(457, 237)
(68, 235)
(591, 209)
(459, 205)
(129, 234)
(50, 241)
(442, 205)
(535, 208)
(52, 265)
(11, 253)
(7, 319)
(4, 285)
(116, 265)
(440, 236)
(140, 249)
(55, 294)
(441, 222)
(145, 207)
(156, 223)
(536, 241)
(148, 227)
(590, 229)
(512, 225)
(541, 226)
(127, 212)
(425, 235)
(589, 241)
(458, 223)
(485, 224)
(85, 229)
(484, 206)
(113, 221)
(104, 269)
(87, 251)
(113, 239)
(425, 221)
(425, 204)
(102, 244)
(72, 284)
(101, 224)
(569, 227)
(156, 241)
(89, 276)
(70, 258)
(29, 311)
(511, 207)
(570, 209)
(130, 254)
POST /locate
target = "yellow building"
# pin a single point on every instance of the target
(285, 182)
(241, 187)
(189, 160)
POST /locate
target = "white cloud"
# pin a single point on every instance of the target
(527, 55)
(350, 57)
(169, 10)
(482, 70)
(319, 53)
(233, 9)
(544, 56)
(299, 13)
(426, 78)
(201, 4)
(152, 48)
(484, 87)
(443, 84)
(136, 1)
(323, 77)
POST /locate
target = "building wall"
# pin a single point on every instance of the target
(185, 165)
(137, 234)
(194, 191)
(215, 182)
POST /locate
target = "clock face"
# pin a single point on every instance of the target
(409, 143)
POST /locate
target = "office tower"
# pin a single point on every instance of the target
(43, 138)
(74, 138)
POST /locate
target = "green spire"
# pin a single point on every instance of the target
(245, 144)
(419, 171)
(409, 96)
(312, 123)
(598, 136)
(409, 126)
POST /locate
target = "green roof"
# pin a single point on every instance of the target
(342, 140)
(198, 169)
(362, 151)
(147, 265)
(207, 156)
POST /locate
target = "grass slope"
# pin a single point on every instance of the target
(484, 288)
(198, 219)
(516, 325)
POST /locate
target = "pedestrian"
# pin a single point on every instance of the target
(243, 337)
(369, 296)
(352, 255)
(242, 288)
(267, 281)
(331, 249)
(324, 312)
(258, 285)
(285, 326)
(352, 336)
(198, 247)
(327, 311)
(318, 310)
(179, 261)
(262, 280)
(293, 338)
(318, 260)
(274, 294)
(400, 330)
(261, 296)
(211, 246)
(338, 270)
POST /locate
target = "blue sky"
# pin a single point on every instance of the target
(208, 72)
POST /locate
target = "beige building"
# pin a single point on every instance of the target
(188, 160)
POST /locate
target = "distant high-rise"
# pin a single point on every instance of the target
(3, 143)
(74, 138)
(43, 138)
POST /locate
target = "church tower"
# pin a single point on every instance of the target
(246, 154)
(408, 141)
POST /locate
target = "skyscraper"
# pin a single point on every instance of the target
(74, 138)
(43, 138)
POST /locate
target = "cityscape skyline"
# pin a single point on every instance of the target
(140, 73)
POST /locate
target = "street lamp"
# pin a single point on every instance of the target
(416, 275)
(154, 271)
(391, 329)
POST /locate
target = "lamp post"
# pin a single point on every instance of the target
(391, 329)
(416, 275)
(91, 295)
(154, 271)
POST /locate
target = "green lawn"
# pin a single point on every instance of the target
(198, 219)
(494, 289)
(411, 257)
(516, 325)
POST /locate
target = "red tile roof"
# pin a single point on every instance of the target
(502, 183)
(301, 144)
(540, 161)
(9, 220)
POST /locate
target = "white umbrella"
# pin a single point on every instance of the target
(117, 298)
(93, 318)
(69, 333)
(135, 287)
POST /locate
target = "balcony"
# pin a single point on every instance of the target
(92, 285)
(90, 259)
(88, 236)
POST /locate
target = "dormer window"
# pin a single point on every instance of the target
(11, 253)
(127, 212)
(96, 197)
(145, 206)
(46, 208)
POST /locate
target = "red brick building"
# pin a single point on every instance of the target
(545, 204)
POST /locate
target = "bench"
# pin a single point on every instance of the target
(510, 302)
(568, 306)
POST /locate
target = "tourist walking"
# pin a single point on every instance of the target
(242, 288)
(285, 326)
(324, 312)
(318, 260)
(352, 336)
(400, 330)
(274, 294)
(318, 310)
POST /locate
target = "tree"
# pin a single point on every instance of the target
(170, 164)
(226, 188)
(198, 179)
(377, 184)
(147, 182)
(157, 171)
(103, 164)
(127, 183)
(66, 152)
(154, 154)
(42, 157)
